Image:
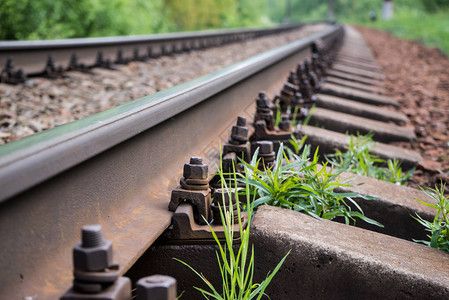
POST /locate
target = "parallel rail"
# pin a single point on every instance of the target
(117, 168)
(46, 57)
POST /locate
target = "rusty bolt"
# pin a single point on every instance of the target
(241, 121)
(94, 253)
(315, 47)
(266, 153)
(239, 133)
(293, 78)
(221, 195)
(297, 99)
(263, 101)
(265, 147)
(195, 169)
(156, 287)
(300, 72)
(284, 124)
(307, 67)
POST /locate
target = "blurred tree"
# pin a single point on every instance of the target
(204, 14)
(41, 19)
(276, 10)
(31, 19)
(435, 5)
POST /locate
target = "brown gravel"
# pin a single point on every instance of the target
(41, 104)
(418, 77)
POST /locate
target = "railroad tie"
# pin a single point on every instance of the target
(360, 109)
(373, 265)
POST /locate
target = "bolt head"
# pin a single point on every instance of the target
(92, 259)
(241, 121)
(92, 236)
(196, 160)
(156, 287)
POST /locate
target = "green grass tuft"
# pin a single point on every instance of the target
(439, 228)
(430, 29)
(358, 159)
(303, 185)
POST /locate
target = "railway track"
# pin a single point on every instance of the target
(119, 167)
(21, 59)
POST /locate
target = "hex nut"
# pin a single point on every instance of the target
(265, 147)
(195, 170)
(239, 133)
(284, 125)
(289, 88)
(263, 103)
(156, 287)
(224, 194)
(92, 259)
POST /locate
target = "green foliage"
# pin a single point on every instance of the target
(278, 115)
(297, 145)
(439, 228)
(49, 19)
(236, 268)
(302, 185)
(29, 19)
(309, 115)
(197, 14)
(430, 29)
(358, 159)
(423, 20)
(306, 10)
(295, 116)
(435, 5)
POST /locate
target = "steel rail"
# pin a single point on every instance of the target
(32, 56)
(117, 168)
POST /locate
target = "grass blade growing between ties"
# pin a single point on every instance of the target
(439, 228)
(300, 184)
(358, 159)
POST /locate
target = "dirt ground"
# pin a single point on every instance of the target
(418, 77)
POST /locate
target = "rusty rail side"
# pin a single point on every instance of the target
(117, 168)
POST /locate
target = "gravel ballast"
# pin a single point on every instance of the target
(41, 104)
(418, 78)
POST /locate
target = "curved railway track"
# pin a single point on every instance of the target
(118, 167)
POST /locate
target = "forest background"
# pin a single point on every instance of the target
(423, 20)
